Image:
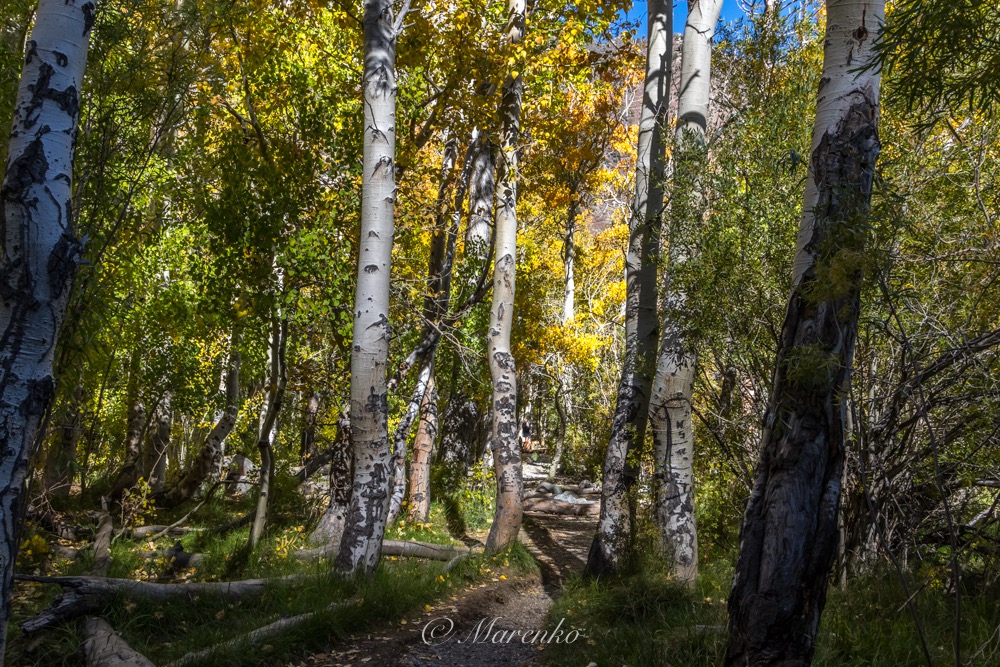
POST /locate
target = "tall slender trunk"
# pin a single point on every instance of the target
(208, 459)
(40, 251)
(277, 379)
(361, 545)
(154, 465)
(481, 191)
(628, 429)
(135, 424)
(423, 444)
(563, 403)
(569, 256)
(789, 538)
(436, 302)
(307, 448)
(673, 385)
(504, 435)
(57, 475)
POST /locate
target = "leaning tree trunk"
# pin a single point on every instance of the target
(40, 251)
(361, 545)
(673, 385)
(208, 459)
(277, 379)
(506, 444)
(628, 427)
(423, 444)
(789, 536)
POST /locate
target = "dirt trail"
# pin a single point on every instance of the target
(476, 615)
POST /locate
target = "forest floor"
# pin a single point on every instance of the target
(469, 627)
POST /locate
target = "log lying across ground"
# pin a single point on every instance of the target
(103, 647)
(143, 532)
(87, 595)
(255, 637)
(398, 548)
(551, 506)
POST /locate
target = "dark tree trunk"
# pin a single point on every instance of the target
(331, 525)
(789, 538)
(57, 477)
(154, 464)
(307, 449)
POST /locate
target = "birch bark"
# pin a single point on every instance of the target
(789, 538)
(361, 545)
(40, 251)
(673, 384)
(506, 445)
(628, 428)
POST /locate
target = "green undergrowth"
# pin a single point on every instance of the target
(647, 619)
(166, 631)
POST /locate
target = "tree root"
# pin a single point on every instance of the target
(103, 647)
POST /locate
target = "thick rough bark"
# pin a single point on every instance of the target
(277, 379)
(210, 456)
(673, 385)
(366, 521)
(330, 528)
(103, 647)
(503, 436)
(628, 428)
(789, 536)
(423, 444)
(154, 463)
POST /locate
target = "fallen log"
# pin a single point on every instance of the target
(103, 647)
(254, 637)
(397, 548)
(143, 532)
(550, 506)
(88, 595)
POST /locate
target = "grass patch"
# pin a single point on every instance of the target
(646, 619)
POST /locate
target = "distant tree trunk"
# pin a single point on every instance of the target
(208, 459)
(135, 425)
(277, 379)
(789, 536)
(481, 192)
(307, 449)
(362, 542)
(569, 256)
(504, 435)
(628, 427)
(57, 476)
(563, 408)
(423, 444)
(40, 251)
(436, 303)
(154, 465)
(330, 529)
(673, 385)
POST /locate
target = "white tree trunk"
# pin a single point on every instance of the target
(789, 535)
(673, 385)
(506, 444)
(628, 428)
(277, 380)
(40, 251)
(361, 545)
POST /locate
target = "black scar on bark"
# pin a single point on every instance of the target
(31, 51)
(40, 393)
(89, 14)
(62, 263)
(29, 168)
(68, 100)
